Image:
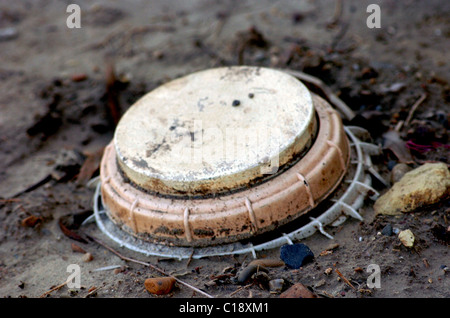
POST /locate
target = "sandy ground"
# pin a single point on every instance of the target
(51, 118)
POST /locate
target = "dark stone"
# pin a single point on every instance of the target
(236, 103)
(387, 230)
(296, 255)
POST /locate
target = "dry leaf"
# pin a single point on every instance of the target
(90, 165)
(394, 143)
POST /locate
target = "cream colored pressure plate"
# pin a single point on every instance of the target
(214, 130)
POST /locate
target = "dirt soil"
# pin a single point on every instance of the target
(61, 88)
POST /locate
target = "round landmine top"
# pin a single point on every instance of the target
(215, 131)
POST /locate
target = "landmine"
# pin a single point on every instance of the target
(218, 157)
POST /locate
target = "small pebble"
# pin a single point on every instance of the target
(298, 291)
(79, 77)
(87, 257)
(159, 285)
(407, 238)
(320, 283)
(296, 255)
(158, 54)
(394, 88)
(7, 34)
(398, 171)
(387, 230)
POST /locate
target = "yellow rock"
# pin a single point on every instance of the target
(407, 238)
(423, 186)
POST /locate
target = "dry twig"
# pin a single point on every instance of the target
(125, 258)
(112, 94)
(240, 288)
(54, 288)
(336, 15)
(414, 107)
(190, 258)
(344, 278)
(405, 123)
(93, 291)
(9, 200)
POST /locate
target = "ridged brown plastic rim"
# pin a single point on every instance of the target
(313, 172)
